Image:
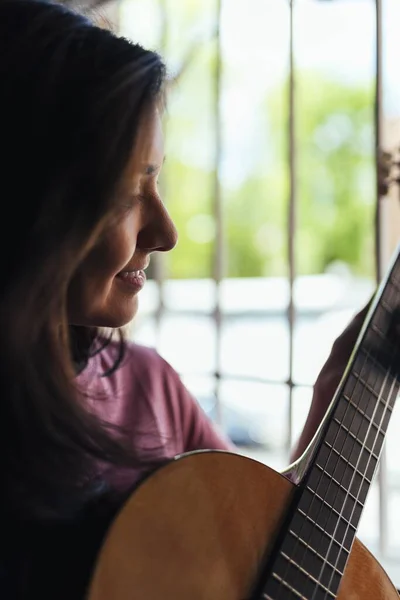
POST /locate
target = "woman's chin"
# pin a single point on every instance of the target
(121, 317)
(111, 318)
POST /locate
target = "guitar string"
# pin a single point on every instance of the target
(346, 447)
(320, 480)
(324, 494)
(355, 470)
(324, 490)
(306, 538)
(393, 386)
(339, 484)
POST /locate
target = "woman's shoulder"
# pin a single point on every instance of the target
(141, 372)
(151, 393)
(137, 358)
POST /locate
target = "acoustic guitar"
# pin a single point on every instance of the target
(213, 525)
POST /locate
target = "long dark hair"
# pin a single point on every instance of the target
(71, 96)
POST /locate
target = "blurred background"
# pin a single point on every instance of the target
(275, 114)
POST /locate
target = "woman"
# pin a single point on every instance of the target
(83, 417)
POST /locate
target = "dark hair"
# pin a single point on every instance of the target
(71, 96)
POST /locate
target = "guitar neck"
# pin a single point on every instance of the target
(340, 465)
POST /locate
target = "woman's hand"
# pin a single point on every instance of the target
(329, 379)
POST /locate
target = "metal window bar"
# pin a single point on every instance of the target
(291, 220)
(219, 258)
(379, 257)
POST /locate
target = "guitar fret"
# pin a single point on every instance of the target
(349, 463)
(358, 456)
(371, 390)
(313, 579)
(310, 519)
(337, 496)
(331, 508)
(369, 357)
(377, 414)
(373, 414)
(340, 525)
(340, 485)
(386, 306)
(332, 539)
(384, 349)
(318, 526)
(311, 558)
(365, 360)
(390, 284)
(319, 566)
(390, 346)
(317, 554)
(341, 470)
(292, 589)
(395, 283)
(332, 551)
(374, 425)
(351, 434)
(367, 432)
(360, 392)
(358, 409)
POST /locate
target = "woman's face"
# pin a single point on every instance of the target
(104, 292)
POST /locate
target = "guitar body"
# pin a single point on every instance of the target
(201, 527)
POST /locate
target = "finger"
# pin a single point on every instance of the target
(346, 340)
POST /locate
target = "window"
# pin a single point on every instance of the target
(270, 177)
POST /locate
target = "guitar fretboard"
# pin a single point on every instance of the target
(311, 556)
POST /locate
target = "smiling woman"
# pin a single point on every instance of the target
(103, 291)
(78, 115)
(80, 121)
(82, 418)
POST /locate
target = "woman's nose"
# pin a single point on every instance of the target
(159, 233)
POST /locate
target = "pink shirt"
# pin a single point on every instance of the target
(147, 398)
